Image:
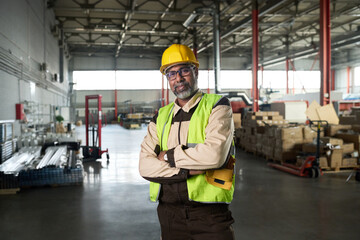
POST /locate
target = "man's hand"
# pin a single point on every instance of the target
(161, 155)
(196, 172)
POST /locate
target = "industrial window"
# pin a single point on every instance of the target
(357, 76)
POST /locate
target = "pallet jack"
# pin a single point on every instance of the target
(310, 167)
(93, 152)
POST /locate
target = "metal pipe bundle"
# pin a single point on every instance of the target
(17, 163)
(43, 162)
(57, 158)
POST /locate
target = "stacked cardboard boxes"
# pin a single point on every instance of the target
(268, 134)
(258, 132)
(353, 118)
(338, 149)
(288, 142)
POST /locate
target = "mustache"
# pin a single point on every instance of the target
(181, 84)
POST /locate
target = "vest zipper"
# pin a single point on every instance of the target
(179, 132)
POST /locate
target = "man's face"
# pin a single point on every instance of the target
(182, 80)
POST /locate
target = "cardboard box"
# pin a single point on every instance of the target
(260, 129)
(289, 144)
(261, 117)
(357, 114)
(252, 139)
(237, 120)
(334, 129)
(351, 119)
(270, 131)
(311, 148)
(276, 117)
(332, 141)
(348, 148)
(273, 113)
(249, 130)
(311, 133)
(349, 162)
(350, 137)
(290, 132)
(258, 113)
(323, 162)
(327, 112)
(335, 158)
(355, 128)
(284, 156)
(311, 111)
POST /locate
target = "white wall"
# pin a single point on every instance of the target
(25, 43)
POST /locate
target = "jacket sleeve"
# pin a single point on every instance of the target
(152, 168)
(213, 153)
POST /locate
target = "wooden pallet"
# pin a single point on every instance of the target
(339, 169)
(9, 191)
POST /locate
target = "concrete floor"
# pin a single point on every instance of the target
(113, 202)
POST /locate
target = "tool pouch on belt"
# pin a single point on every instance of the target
(222, 178)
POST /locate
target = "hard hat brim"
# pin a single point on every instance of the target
(167, 66)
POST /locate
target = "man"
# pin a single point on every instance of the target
(187, 156)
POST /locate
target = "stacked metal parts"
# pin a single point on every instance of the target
(54, 156)
(7, 141)
(53, 163)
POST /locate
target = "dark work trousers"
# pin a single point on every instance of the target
(201, 222)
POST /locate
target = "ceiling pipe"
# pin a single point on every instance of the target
(337, 42)
(264, 10)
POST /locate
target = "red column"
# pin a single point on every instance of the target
(255, 55)
(287, 75)
(325, 51)
(99, 119)
(348, 69)
(332, 79)
(87, 119)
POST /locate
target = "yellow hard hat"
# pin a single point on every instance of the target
(177, 54)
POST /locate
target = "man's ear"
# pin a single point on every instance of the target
(196, 72)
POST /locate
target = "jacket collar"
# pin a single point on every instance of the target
(190, 104)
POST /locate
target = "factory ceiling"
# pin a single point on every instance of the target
(144, 28)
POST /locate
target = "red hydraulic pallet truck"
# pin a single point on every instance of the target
(93, 152)
(310, 167)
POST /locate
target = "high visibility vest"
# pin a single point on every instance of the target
(199, 189)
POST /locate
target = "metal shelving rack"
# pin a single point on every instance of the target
(39, 118)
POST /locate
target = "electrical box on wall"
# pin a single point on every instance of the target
(20, 115)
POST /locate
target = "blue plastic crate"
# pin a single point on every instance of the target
(8, 181)
(50, 177)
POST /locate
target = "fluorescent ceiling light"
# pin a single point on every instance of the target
(189, 19)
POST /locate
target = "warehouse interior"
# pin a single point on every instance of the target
(291, 70)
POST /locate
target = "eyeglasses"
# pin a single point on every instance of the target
(185, 71)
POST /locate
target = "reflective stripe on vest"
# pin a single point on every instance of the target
(199, 189)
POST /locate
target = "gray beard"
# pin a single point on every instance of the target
(189, 92)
